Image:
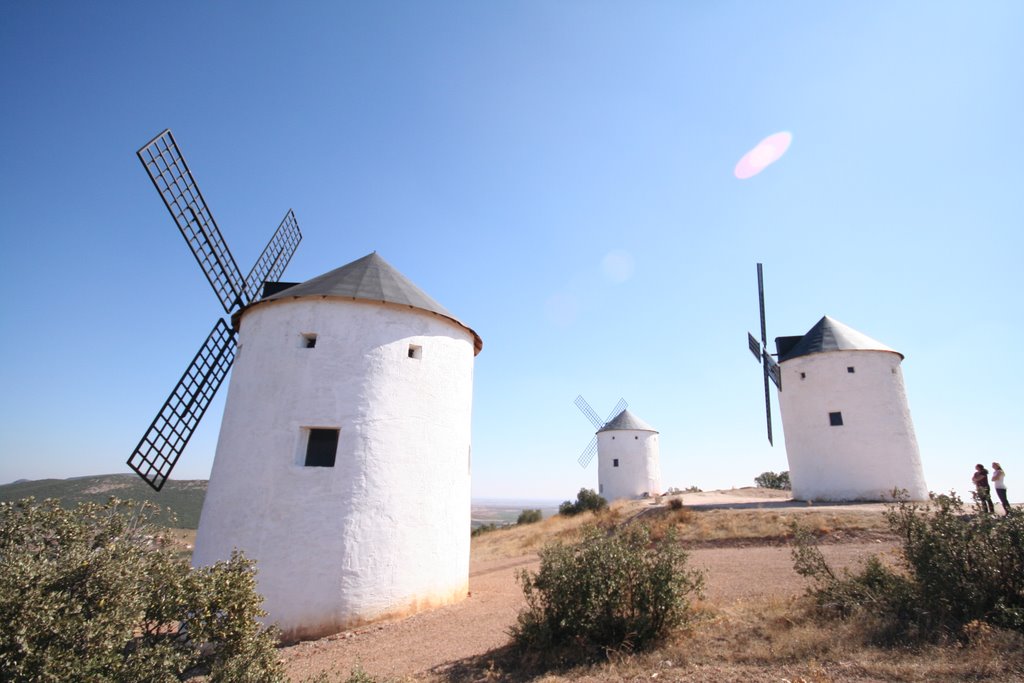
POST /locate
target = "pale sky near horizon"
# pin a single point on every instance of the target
(560, 176)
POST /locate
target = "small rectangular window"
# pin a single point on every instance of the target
(835, 419)
(803, 375)
(322, 447)
(849, 369)
(615, 462)
(415, 351)
(308, 340)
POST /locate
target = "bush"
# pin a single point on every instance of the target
(586, 499)
(483, 529)
(99, 593)
(675, 503)
(529, 517)
(606, 593)
(957, 569)
(773, 480)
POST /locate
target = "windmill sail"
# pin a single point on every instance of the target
(173, 180)
(162, 444)
(275, 257)
(619, 407)
(588, 453)
(588, 412)
(760, 351)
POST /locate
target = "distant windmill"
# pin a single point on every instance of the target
(628, 453)
(760, 351)
(165, 439)
(847, 425)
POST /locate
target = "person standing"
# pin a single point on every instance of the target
(999, 483)
(982, 494)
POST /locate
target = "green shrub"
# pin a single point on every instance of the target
(956, 568)
(606, 593)
(98, 593)
(883, 598)
(773, 480)
(529, 517)
(483, 529)
(586, 500)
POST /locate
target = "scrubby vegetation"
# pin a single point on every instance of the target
(484, 528)
(956, 571)
(529, 517)
(773, 480)
(98, 593)
(607, 593)
(586, 500)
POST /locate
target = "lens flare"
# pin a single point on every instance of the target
(764, 154)
(618, 265)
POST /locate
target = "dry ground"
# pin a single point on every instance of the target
(750, 628)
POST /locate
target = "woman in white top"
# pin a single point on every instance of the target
(999, 484)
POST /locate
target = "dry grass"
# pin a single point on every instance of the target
(694, 527)
(735, 526)
(527, 539)
(779, 640)
(756, 640)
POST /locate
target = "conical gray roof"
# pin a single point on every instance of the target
(830, 335)
(626, 420)
(371, 278)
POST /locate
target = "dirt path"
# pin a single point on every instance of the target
(429, 641)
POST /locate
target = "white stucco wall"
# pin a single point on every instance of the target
(639, 468)
(873, 452)
(386, 530)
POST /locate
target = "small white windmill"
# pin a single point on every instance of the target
(845, 417)
(628, 453)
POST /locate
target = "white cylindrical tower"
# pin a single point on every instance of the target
(343, 464)
(628, 464)
(849, 434)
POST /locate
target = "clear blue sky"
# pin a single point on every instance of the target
(506, 157)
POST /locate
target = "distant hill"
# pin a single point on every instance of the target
(183, 498)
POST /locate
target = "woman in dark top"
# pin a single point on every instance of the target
(982, 493)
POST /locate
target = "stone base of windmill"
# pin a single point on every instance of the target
(314, 630)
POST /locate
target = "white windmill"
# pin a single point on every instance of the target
(343, 463)
(628, 453)
(847, 424)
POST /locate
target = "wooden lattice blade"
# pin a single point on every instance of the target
(172, 178)
(162, 444)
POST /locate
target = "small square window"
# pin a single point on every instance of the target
(415, 351)
(322, 447)
(308, 340)
(849, 369)
(835, 419)
(636, 438)
(803, 375)
(615, 462)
